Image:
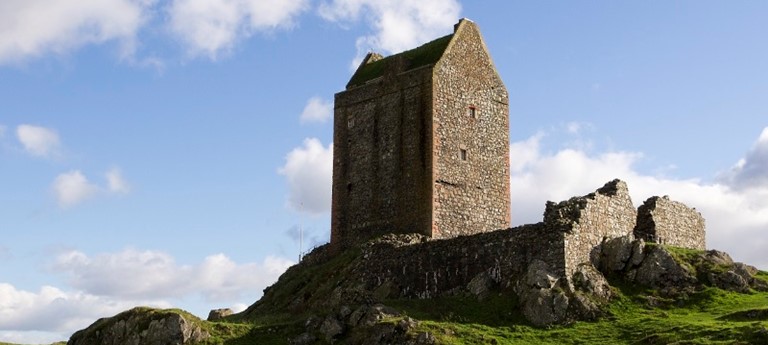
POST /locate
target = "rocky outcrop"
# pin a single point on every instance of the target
(219, 314)
(546, 299)
(363, 325)
(674, 270)
(143, 326)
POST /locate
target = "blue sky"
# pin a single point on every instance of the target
(166, 153)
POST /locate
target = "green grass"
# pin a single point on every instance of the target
(637, 315)
(762, 275)
(497, 310)
(711, 316)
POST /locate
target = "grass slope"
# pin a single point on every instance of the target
(710, 316)
(636, 315)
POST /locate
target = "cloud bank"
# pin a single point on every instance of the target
(154, 275)
(212, 27)
(108, 283)
(206, 28)
(52, 310)
(31, 28)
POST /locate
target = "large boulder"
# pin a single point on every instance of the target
(659, 269)
(365, 325)
(219, 314)
(616, 253)
(546, 299)
(143, 326)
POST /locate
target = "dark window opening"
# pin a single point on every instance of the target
(349, 187)
(463, 154)
(472, 112)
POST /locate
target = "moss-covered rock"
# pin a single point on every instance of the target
(143, 326)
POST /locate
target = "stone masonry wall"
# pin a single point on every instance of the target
(589, 220)
(444, 267)
(382, 169)
(572, 233)
(668, 222)
(471, 139)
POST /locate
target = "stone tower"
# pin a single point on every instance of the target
(421, 143)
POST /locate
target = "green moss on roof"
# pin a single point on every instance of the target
(427, 54)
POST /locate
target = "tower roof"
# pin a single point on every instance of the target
(373, 66)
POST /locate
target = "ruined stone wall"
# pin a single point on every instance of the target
(443, 267)
(471, 139)
(573, 232)
(587, 221)
(382, 163)
(664, 221)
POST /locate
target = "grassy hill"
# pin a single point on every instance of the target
(635, 315)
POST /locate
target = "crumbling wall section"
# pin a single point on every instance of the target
(587, 221)
(669, 222)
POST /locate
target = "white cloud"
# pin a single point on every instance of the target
(116, 183)
(308, 170)
(31, 28)
(736, 218)
(51, 314)
(317, 110)
(108, 283)
(210, 27)
(73, 187)
(38, 141)
(399, 25)
(132, 274)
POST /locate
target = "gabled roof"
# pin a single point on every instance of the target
(426, 54)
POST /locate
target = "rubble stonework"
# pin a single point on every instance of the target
(570, 235)
(554, 267)
(664, 221)
(399, 268)
(421, 143)
(587, 221)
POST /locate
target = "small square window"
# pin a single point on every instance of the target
(472, 112)
(463, 154)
